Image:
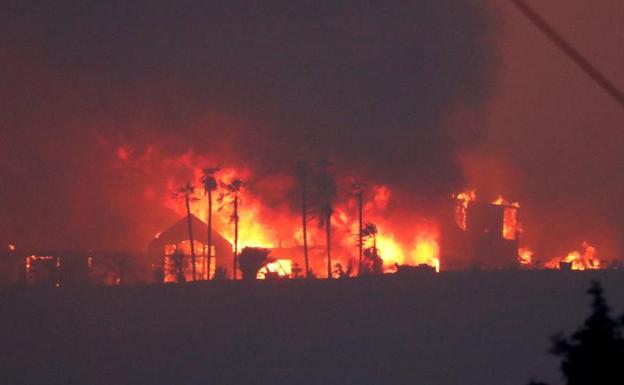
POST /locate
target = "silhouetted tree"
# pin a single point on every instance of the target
(186, 193)
(594, 354)
(373, 263)
(209, 183)
(357, 191)
(179, 265)
(302, 175)
(296, 271)
(370, 232)
(340, 272)
(325, 195)
(231, 192)
(252, 259)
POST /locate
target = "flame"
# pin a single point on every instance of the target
(510, 217)
(525, 256)
(578, 261)
(281, 267)
(278, 226)
(390, 250)
(253, 231)
(426, 250)
(11, 247)
(464, 199)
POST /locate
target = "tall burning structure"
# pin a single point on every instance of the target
(484, 235)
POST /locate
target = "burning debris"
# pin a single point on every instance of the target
(576, 260)
(321, 235)
(345, 229)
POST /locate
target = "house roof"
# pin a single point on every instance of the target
(178, 232)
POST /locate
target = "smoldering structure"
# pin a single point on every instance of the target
(482, 235)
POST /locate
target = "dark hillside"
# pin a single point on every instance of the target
(451, 328)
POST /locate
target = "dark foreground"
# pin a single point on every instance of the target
(452, 328)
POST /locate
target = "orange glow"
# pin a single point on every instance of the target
(525, 256)
(510, 217)
(390, 250)
(201, 262)
(252, 230)
(281, 268)
(426, 250)
(464, 199)
(382, 197)
(279, 227)
(31, 271)
(579, 261)
(11, 247)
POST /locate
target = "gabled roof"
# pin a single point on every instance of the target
(178, 232)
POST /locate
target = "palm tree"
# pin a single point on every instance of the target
(326, 193)
(186, 193)
(231, 192)
(252, 259)
(210, 184)
(357, 191)
(302, 173)
(370, 231)
(373, 263)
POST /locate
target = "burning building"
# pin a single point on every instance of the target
(483, 235)
(49, 268)
(170, 251)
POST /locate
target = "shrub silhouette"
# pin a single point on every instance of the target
(594, 354)
(252, 259)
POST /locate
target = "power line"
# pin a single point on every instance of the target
(571, 52)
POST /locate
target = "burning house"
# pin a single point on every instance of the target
(483, 235)
(49, 268)
(170, 251)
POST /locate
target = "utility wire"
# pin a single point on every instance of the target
(570, 51)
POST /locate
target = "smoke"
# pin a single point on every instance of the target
(552, 139)
(96, 98)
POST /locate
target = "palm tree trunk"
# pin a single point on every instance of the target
(209, 231)
(328, 235)
(235, 236)
(304, 223)
(190, 230)
(360, 241)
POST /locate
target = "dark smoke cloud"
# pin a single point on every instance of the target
(259, 84)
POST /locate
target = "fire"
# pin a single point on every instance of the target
(504, 202)
(11, 247)
(464, 199)
(577, 260)
(510, 217)
(277, 226)
(525, 256)
(426, 251)
(252, 230)
(390, 250)
(281, 268)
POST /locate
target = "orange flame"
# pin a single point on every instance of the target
(464, 199)
(510, 217)
(525, 256)
(577, 260)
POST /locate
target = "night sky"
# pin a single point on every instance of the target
(427, 98)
